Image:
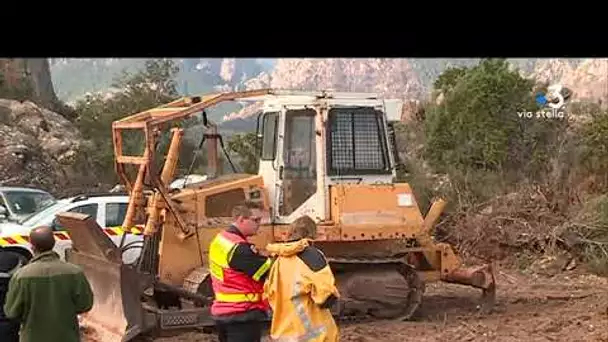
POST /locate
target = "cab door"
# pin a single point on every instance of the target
(296, 179)
(269, 155)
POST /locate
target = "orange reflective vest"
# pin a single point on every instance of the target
(235, 292)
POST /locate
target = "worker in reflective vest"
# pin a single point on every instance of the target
(238, 272)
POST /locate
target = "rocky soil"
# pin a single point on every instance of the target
(568, 306)
(38, 148)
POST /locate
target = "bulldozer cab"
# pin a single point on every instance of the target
(308, 141)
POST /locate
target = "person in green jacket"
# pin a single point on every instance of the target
(47, 295)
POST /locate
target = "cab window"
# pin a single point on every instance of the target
(357, 142)
(299, 156)
(269, 139)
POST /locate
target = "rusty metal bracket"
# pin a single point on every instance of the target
(185, 232)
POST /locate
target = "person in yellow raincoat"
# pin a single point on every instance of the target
(301, 288)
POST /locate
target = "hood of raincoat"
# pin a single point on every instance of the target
(286, 249)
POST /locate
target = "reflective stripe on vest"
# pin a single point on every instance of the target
(238, 297)
(260, 272)
(220, 253)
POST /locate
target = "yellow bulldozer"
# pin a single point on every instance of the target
(329, 155)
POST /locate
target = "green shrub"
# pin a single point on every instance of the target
(476, 135)
(587, 234)
(594, 140)
(137, 92)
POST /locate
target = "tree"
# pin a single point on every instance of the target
(593, 139)
(476, 131)
(449, 78)
(479, 123)
(243, 144)
(153, 86)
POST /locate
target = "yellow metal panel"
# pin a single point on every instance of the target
(179, 258)
(369, 212)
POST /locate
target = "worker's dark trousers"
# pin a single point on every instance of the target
(9, 331)
(250, 331)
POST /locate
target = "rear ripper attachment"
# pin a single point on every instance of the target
(393, 286)
(481, 277)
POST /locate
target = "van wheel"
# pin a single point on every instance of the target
(24, 253)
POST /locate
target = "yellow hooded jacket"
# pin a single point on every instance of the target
(299, 282)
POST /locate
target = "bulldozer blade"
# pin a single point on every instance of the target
(117, 314)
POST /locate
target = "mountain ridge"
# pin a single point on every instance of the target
(407, 78)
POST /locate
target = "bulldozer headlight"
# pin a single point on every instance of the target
(256, 194)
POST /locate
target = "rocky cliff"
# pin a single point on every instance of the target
(39, 148)
(550, 70)
(588, 79)
(386, 77)
(73, 77)
(405, 78)
(389, 77)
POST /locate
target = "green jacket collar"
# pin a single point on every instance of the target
(46, 256)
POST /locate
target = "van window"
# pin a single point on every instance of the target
(115, 214)
(87, 209)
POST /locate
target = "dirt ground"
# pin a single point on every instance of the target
(567, 307)
(570, 306)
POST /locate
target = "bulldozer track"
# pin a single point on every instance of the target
(411, 277)
(415, 284)
(365, 260)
